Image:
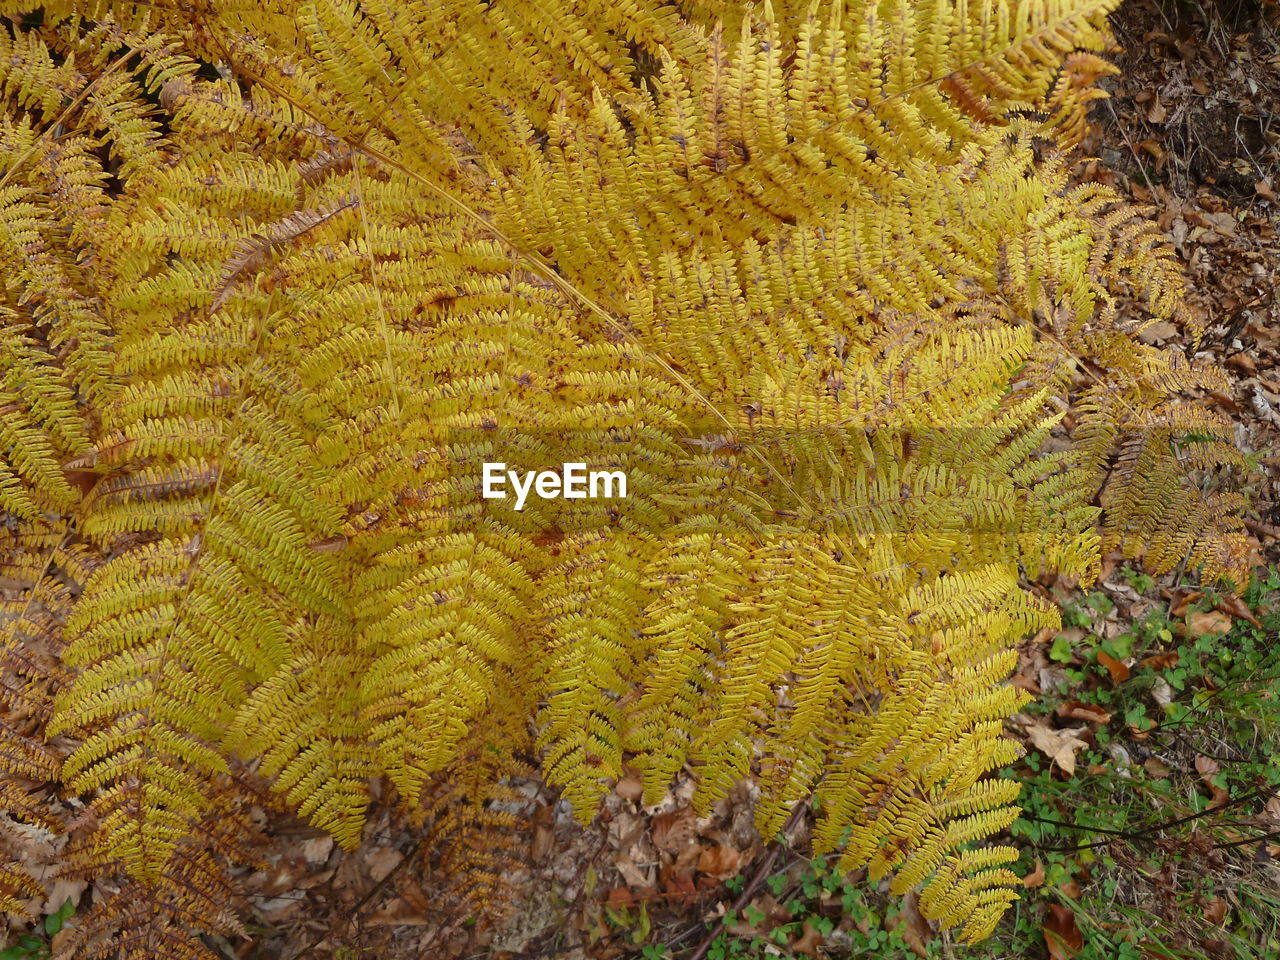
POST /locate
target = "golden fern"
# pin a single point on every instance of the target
(795, 269)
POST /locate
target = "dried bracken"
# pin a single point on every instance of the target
(808, 274)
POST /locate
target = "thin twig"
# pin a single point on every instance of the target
(1145, 831)
(361, 903)
(761, 872)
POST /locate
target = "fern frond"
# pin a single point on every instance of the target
(801, 271)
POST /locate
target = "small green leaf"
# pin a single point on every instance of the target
(641, 932)
(1060, 649)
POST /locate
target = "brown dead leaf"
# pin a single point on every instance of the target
(770, 914)
(316, 850)
(332, 545)
(630, 787)
(1061, 935)
(774, 912)
(1215, 911)
(1156, 113)
(686, 861)
(631, 872)
(674, 830)
(399, 912)
(1208, 622)
(1156, 333)
(917, 932)
(1235, 607)
(380, 861)
(1060, 746)
(543, 839)
(680, 888)
(1271, 813)
(1244, 363)
(620, 898)
(1045, 635)
(1224, 223)
(719, 861)
(1119, 672)
(543, 832)
(1035, 878)
(1157, 768)
(1264, 189)
(1180, 600)
(1161, 661)
(1208, 767)
(809, 942)
(1088, 712)
(1161, 692)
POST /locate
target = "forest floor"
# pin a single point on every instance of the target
(1152, 774)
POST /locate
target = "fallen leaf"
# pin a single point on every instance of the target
(917, 933)
(1061, 935)
(679, 888)
(1035, 878)
(686, 861)
(1180, 601)
(1208, 622)
(1060, 746)
(1264, 189)
(1224, 223)
(1244, 363)
(316, 850)
(809, 942)
(543, 833)
(620, 898)
(1235, 607)
(1156, 113)
(1161, 661)
(630, 787)
(381, 861)
(1119, 672)
(766, 912)
(332, 545)
(1215, 911)
(1208, 767)
(399, 912)
(632, 874)
(1089, 712)
(1271, 812)
(1161, 692)
(1157, 333)
(719, 861)
(674, 830)
(1157, 768)
(1045, 635)
(543, 839)
(63, 889)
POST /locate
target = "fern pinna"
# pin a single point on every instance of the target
(278, 279)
